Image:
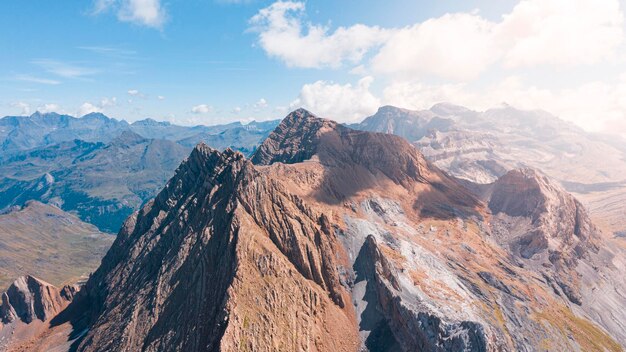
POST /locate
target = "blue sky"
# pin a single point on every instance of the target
(209, 61)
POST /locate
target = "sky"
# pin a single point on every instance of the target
(214, 61)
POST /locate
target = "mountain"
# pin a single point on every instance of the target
(550, 232)
(101, 168)
(39, 129)
(101, 183)
(244, 138)
(334, 239)
(482, 146)
(20, 133)
(43, 240)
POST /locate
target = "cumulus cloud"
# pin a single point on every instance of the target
(260, 104)
(160, 97)
(345, 103)
(51, 107)
(87, 108)
(455, 46)
(149, 13)
(133, 92)
(236, 110)
(282, 34)
(108, 102)
(561, 32)
(202, 109)
(24, 107)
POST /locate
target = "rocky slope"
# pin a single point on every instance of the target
(43, 240)
(482, 146)
(550, 232)
(328, 239)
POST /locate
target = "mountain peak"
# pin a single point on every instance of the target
(294, 140)
(151, 122)
(559, 221)
(128, 137)
(385, 109)
(96, 116)
(41, 115)
(446, 109)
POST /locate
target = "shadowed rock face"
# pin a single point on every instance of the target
(330, 239)
(29, 299)
(302, 135)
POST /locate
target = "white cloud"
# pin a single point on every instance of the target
(236, 110)
(418, 96)
(87, 108)
(202, 109)
(108, 102)
(65, 69)
(46, 108)
(345, 103)
(150, 13)
(134, 92)
(160, 97)
(234, 2)
(283, 35)
(24, 107)
(561, 32)
(455, 46)
(33, 79)
(260, 104)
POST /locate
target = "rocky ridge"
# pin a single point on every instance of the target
(481, 146)
(329, 239)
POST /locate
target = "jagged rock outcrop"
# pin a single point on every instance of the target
(29, 298)
(559, 222)
(543, 225)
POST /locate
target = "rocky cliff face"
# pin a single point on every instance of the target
(550, 232)
(559, 222)
(329, 239)
(482, 146)
(29, 298)
(26, 310)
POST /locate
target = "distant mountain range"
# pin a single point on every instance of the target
(482, 146)
(334, 239)
(100, 168)
(19, 133)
